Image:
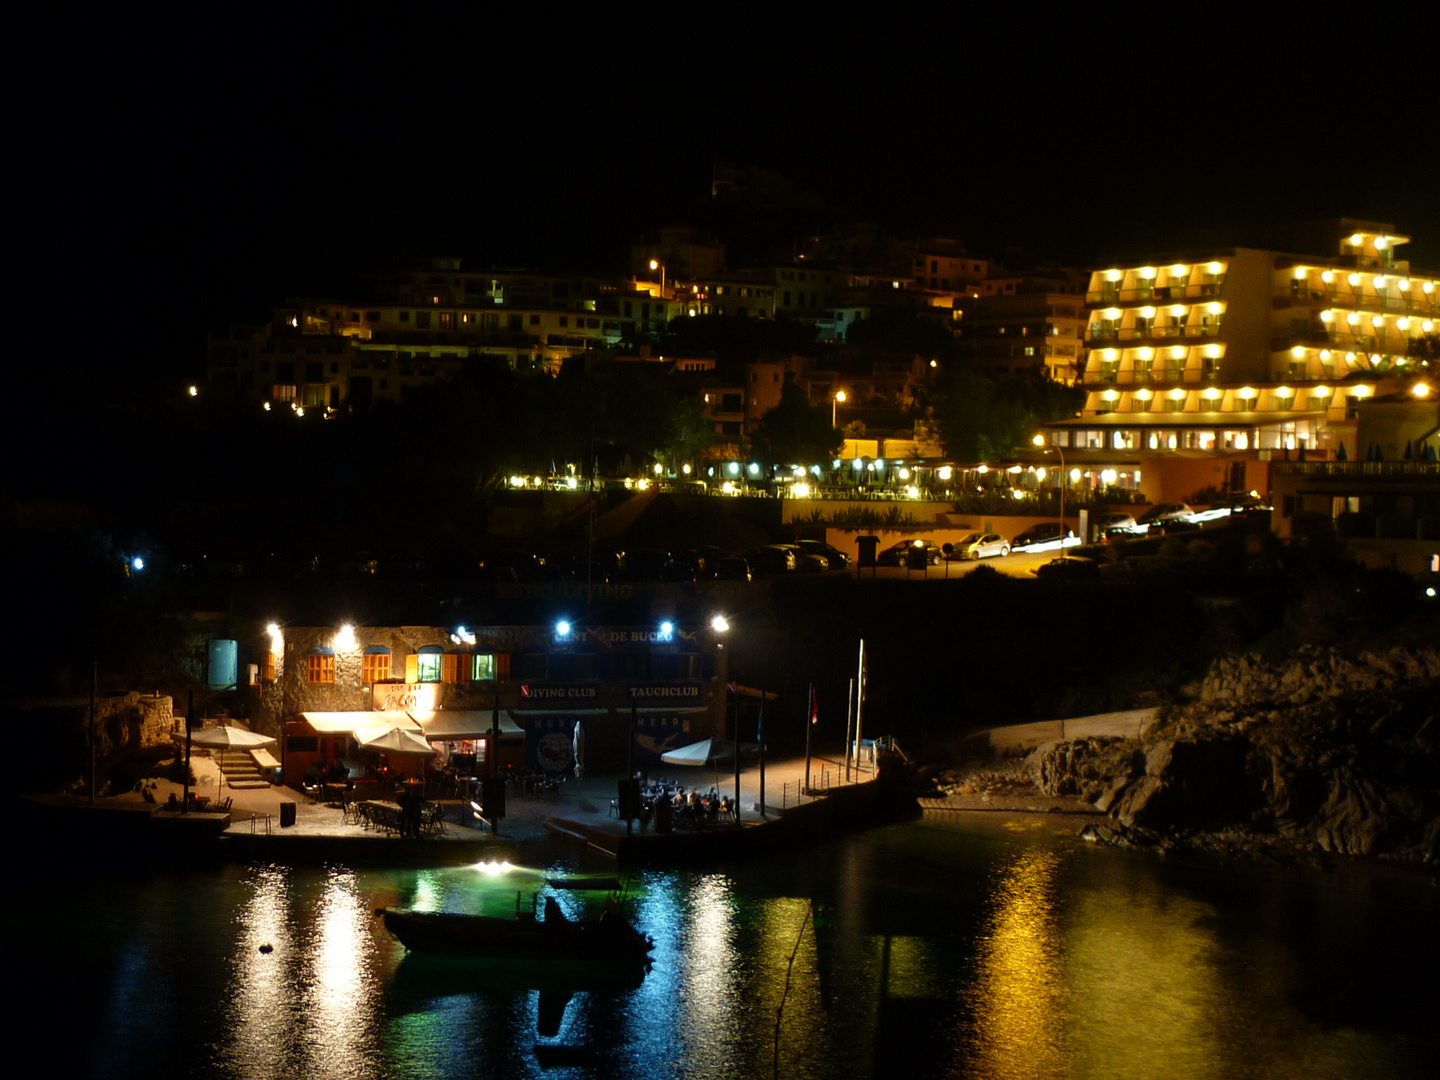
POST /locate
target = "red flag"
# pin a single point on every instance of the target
(814, 706)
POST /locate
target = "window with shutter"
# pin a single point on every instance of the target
(322, 667)
(376, 666)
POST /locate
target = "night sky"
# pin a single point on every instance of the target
(193, 174)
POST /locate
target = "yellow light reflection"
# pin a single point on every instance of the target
(1018, 991)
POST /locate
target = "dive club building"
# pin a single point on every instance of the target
(542, 699)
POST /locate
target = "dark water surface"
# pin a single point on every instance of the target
(976, 945)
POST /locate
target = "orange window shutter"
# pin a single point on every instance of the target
(412, 668)
(450, 667)
(466, 664)
(502, 667)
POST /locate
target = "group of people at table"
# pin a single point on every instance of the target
(685, 805)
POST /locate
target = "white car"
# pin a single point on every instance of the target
(980, 546)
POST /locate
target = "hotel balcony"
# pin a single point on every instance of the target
(1414, 302)
(1146, 295)
(1096, 332)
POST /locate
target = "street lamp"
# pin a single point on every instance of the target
(1039, 440)
(835, 399)
(656, 264)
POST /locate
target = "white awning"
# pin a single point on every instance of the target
(347, 723)
(453, 725)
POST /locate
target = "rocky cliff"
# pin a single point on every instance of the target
(1316, 753)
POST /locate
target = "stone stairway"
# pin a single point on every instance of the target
(240, 770)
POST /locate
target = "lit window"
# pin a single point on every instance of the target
(428, 664)
(483, 668)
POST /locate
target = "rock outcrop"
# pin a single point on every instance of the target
(1316, 753)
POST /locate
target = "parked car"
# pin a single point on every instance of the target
(1162, 512)
(837, 559)
(1114, 524)
(897, 554)
(981, 546)
(1045, 536)
(645, 564)
(525, 566)
(733, 568)
(1069, 568)
(1232, 504)
(771, 559)
(808, 562)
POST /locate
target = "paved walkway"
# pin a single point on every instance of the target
(256, 811)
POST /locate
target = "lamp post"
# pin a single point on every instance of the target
(1039, 441)
(656, 264)
(835, 399)
(721, 626)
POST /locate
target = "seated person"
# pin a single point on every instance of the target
(694, 799)
(725, 805)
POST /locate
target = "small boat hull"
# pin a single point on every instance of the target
(556, 939)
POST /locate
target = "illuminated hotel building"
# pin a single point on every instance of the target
(1201, 371)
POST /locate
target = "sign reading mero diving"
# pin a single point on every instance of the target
(667, 692)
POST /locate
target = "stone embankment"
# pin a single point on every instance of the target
(1318, 753)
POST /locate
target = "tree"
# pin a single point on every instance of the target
(794, 432)
(980, 419)
(689, 433)
(904, 330)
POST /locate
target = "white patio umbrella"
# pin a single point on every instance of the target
(226, 737)
(578, 745)
(704, 752)
(395, 741)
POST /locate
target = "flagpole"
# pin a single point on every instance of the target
(760, 738)
(809, 723)
(859, 707)
(737, 759)
(849, 712)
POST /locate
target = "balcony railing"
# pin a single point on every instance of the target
(1148, 333)
(1356, 468)
(1414, 302)
(1158, 292)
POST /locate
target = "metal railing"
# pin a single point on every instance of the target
(1412, 302)
(1143, 333)
(1157, 292)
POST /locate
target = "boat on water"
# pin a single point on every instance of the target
(609, 938)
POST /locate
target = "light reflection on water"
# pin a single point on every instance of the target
(960, 948)
(260, 1024)
(1017, 996)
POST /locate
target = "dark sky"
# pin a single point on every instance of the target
(192, 174)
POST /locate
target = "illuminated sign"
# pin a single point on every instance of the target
(666, 691)
(529, 692)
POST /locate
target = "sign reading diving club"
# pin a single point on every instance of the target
(534, 694)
